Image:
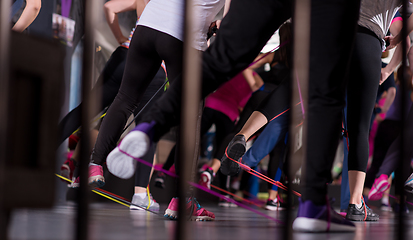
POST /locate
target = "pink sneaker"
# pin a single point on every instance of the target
(96, 178)
(199, 213)
(75, 183)
(380, 185)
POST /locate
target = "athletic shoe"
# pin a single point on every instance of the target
(343, 212)
(380, 185)
(313, 218)
(385, 207)
(160, 180)
(121, 161)
(96, 178)
(274, 205)
(144, 203)
(408, 186)
(224, 203)
(199, 213)
(205, 178)
(73, 140)
(67, 169)
(75, 183)
(235, 150)
(364, 213)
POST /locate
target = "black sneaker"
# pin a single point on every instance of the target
(160, 180)
(235, 150)
(359, 214)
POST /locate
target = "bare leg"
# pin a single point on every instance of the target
(256, 121)
(356, 181)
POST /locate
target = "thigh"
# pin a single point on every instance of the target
(142, 64)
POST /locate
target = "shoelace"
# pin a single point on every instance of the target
(149, 197)
(198, 206)
(365, 208)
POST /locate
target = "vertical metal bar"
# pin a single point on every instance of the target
(301, 56)
(189, 115)
(91, 16)
(4, 86)
(403, 81)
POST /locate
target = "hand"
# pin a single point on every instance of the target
(391, 41)
(122, 39)
(213, 28)
(384, 75)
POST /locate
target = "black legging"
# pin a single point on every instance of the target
(255, 100)
(387, 132)
(143, 171)
(107, 84)
(332, 35)
(362, 88)
(147, 49)
(231, 52)
(223, 125)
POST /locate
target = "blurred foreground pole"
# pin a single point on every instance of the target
(189, 135)
(91, 18)
(4, 86)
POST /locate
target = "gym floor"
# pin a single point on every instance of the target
(114, 221)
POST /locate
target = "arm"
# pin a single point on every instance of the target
(398, 38)
(395, 28)
(254, 81)
(226, 7)
(267, 59)
(111, 9)
(29, 14)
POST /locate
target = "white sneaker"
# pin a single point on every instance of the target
(144, 203)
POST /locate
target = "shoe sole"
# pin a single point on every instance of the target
(360, 218)
(97, 181)
(380, 189)
(273, 208)
(302, 224)
(133, 208)
(205, 180)
(228, 166)
(120, 164)
(136, 145)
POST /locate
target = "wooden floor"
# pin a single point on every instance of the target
(114, 221)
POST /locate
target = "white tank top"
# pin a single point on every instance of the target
(167, 16)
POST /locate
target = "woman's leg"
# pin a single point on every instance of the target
(143, 62)
(107, 86)
(361, 95)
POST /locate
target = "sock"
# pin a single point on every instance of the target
(142, 195)
(385, 201)
(358, 206)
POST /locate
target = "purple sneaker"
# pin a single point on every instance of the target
(313, 218)
(121, 161)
